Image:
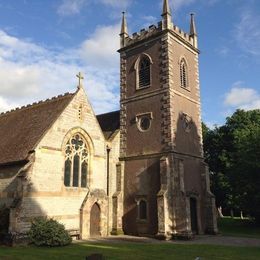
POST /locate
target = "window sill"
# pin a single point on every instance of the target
(187, 89)
(137, 89)
(76, 188)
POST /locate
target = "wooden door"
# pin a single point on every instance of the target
(95, 221)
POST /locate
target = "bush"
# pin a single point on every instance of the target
(48, 232)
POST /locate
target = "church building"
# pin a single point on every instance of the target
(138, 171)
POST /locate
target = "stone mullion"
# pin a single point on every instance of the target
(71, 171)
(80, 169)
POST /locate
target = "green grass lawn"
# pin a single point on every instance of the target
(136, 251)
(133, 251)
(238, 227)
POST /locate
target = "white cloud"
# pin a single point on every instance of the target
(177, 4)
(30, 72)
(117, 3)
(241, 97)
(223, 51)
(73, 7)
(101, 49)
(5, 105)
(148, 20)
(247, 32)
(70, 7)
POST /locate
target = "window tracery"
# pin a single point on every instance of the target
(76, 162)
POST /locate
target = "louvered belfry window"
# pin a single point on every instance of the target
(76, 162)
(144, 72)
(183, 74)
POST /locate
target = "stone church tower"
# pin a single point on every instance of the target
(166, 183)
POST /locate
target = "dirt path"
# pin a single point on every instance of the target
(212, 240)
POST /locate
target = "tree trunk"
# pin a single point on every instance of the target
(232, 213)
(220, 214)
(241, 214)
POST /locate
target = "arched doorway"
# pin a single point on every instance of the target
(95, 221)
(193, 215)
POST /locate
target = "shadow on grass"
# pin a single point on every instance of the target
(238, 227)
(132, 251)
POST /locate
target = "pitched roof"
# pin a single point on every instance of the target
(109, 123)
(21, 129)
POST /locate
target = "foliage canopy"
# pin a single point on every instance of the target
(233, 154)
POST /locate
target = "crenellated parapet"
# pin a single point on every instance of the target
(154, 30)
(143, 34)
(182, 34)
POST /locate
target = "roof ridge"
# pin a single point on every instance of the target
(116, 111)
(34, 104)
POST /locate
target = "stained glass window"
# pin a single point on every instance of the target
(76, 171)
(67, 172)
(76, 162)
(84, 169)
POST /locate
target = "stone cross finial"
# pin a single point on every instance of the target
(80, 77)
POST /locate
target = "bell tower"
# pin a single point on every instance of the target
(166, 185)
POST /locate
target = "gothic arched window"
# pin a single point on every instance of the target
(76, 162)
(142, 210)
(144, 72)
(184, 74)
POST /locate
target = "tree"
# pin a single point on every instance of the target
(233, 154)
(245, 168)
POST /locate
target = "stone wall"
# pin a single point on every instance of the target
(175, 134)
(8, 184)
(114, 144)
(46, 194)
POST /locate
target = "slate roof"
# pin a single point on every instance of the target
(109, 123)
(22, 129)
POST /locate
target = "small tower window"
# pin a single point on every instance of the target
(80, 112)
(184, 74)
(144, 121)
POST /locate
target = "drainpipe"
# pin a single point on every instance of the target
(108, 199)
(108, 152)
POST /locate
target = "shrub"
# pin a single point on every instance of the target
(48, 232)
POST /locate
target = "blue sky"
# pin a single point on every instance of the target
(44, 43)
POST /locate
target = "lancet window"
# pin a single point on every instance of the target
(144, 73)
(184, 74)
